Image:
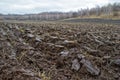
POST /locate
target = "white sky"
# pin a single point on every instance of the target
(37, 6)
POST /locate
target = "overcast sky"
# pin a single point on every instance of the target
(37, 6)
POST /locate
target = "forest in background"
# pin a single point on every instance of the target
(108, 11)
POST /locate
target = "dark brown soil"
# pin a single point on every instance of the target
(59, 51)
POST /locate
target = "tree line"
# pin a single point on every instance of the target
(107, 10)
